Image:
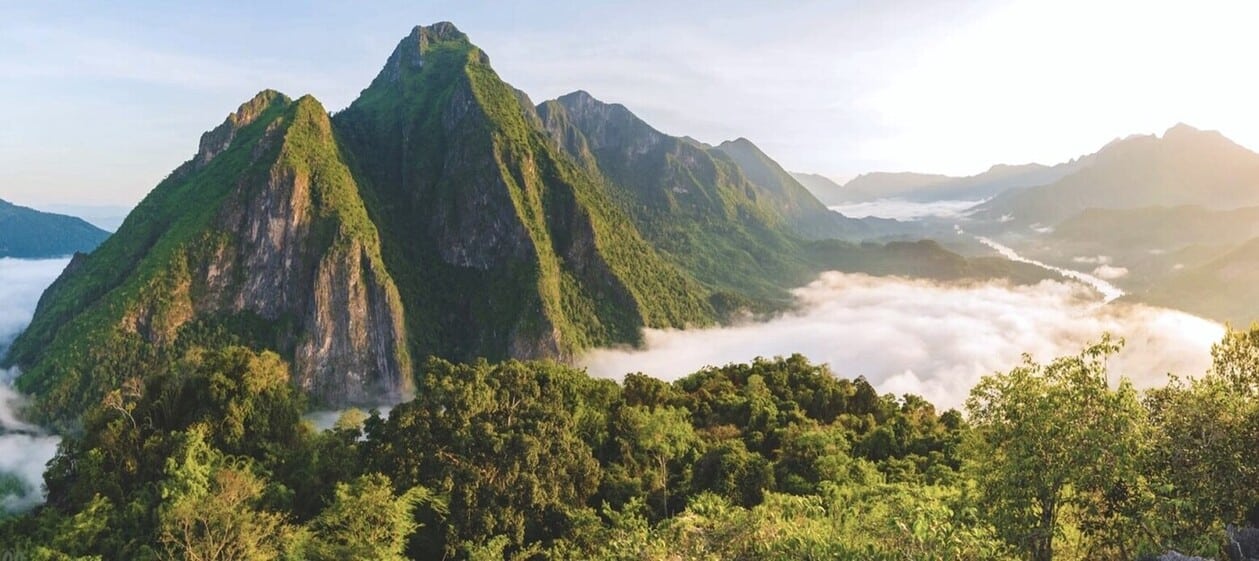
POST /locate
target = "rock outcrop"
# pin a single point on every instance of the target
(1242, 544)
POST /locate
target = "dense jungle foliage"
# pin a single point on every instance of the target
(777, 459)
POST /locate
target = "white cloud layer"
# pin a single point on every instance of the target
(901, 209)
(915, 336)
(24, 451)
(1092, 260)
(21, 283)
(24, 448)
(1110, 272)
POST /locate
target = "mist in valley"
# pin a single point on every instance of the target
(933, 339)
(24, 448)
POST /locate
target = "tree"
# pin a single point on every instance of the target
(1206, 432)
(500, 443)
(210, 512)
(1053, 437)
(733, 472)
(655, 438)
(1235, 359)
(366, 521)
(811, 455)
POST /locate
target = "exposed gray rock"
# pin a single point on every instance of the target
(1243, 544)
(1173, 556)
(216, 141)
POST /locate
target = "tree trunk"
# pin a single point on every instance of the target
(1043, 540)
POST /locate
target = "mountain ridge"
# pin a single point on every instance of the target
(27, 233)
(1184, 166)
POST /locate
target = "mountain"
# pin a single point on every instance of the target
(808, 216)
(1225, 288)
(822, 187)
(692, 201)
(26, 233)
(1185, 166)
(430, 218)
(888, 185)
(105, 217)
(505, 247)
(440, 214)
(261, 237)
(927, 187)
(728, 215)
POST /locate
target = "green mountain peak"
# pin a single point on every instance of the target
(440, 214)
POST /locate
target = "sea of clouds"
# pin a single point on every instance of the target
(903, 209)
(932, 339)
(24, 448)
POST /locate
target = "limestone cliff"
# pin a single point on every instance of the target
(262, 227)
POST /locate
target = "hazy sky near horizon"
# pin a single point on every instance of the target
(98, 102)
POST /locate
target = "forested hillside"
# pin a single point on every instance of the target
(777, 459)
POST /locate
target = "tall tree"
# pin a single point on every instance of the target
(366, 521)
(210, 508)
(1048, 438)
(499, 442)
(1204, 451)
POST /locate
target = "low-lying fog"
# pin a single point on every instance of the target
(24, 449)
(902, 209)
(932, 339)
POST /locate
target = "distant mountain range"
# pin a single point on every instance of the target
(1175, 217)
(31, 234)
(925, 187)
(1185, 166)
(822, 187)
(1172, 218)
(107, 217)
(442, 213)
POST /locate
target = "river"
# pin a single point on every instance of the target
(1109, 291)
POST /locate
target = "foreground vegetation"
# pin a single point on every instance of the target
(778, 459)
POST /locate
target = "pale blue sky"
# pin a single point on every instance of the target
(99, 101)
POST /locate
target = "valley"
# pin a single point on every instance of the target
(425, 315)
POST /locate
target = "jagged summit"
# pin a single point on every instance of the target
(215, 141)
(410, 54)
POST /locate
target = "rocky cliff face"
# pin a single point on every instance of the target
(264, 226)
(469, 185)
(290, 255)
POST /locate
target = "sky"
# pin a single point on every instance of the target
(100, 101)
